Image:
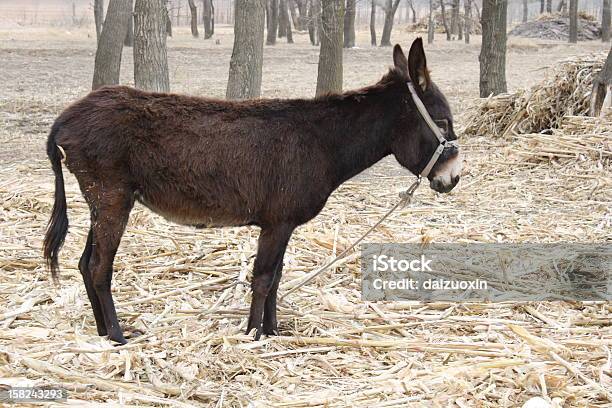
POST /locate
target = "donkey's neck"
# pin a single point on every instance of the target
(359, 131)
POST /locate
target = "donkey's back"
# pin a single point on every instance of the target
(193, 160)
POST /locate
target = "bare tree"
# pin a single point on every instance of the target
(282, 24)
(525, 11)
(208, 12)
(302, 6)
(573, 17)
(562, 7)
(605, 21)
(247, 56)
(168, 20)
(468, 20)
(454, 17)
(431, 29)
(98, 17)
(110, 46)
(194, 18)
(294, 14)
(314, 21)
(414, 14)
(493, 50)
(542, 6)
(129, 36)
(349, 24)
(272, 21)
(602, 88)
(288, 31)
(150, 55)
(373, 23)
(329, 77)
(390, 7)
(444, 21)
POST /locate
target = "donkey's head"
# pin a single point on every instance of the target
(414, 138)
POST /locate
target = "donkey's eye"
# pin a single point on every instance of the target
(443, 125)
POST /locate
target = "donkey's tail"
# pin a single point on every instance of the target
(58, 224)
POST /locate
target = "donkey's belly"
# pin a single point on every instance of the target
(184, 211)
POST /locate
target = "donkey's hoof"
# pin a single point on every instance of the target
(120, 340)
(270, 331)
(258, 332)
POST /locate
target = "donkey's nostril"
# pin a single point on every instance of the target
(455, 179)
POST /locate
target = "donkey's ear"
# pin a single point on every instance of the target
(399, 60)
(417, 65)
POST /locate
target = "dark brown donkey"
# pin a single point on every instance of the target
(215, 163)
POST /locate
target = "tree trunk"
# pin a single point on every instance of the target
(525, 11)
(98, 17)
(468, 20)
(194, 18)
(208, 12)
(287, 20)
(150, 56)
(573, 17)
(605, 21)
(282, 23)
(431, 26)
(329, 78)
(247, 56)
(129, 36)
(602, 88)
(542, 5)
(168, 20)
(493, 50)
(349, 24)
(390, 9)
(562, 7)
(312, 21)
(293, 13)
(444, 22)
(455, 18)
(549, 6)
(302, 6)
(272, 22)
(108, 55)
(373, 23)
(414, 15)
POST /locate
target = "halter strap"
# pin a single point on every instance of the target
(434, 128)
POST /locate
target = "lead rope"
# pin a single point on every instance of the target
(405, 199)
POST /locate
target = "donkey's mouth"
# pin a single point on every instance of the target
(443, 184)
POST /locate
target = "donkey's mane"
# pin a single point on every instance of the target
(392, 78)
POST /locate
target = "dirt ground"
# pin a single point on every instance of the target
(192, 311)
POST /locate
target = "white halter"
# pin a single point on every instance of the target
(434, 128)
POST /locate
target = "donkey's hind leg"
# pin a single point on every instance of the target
(111, 218)
(91, 292)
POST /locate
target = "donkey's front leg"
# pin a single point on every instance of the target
(270, 324)
(271, 248)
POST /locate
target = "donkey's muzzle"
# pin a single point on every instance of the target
(446, 174)
(441, 185)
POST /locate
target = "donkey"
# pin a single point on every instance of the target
(215, 163)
